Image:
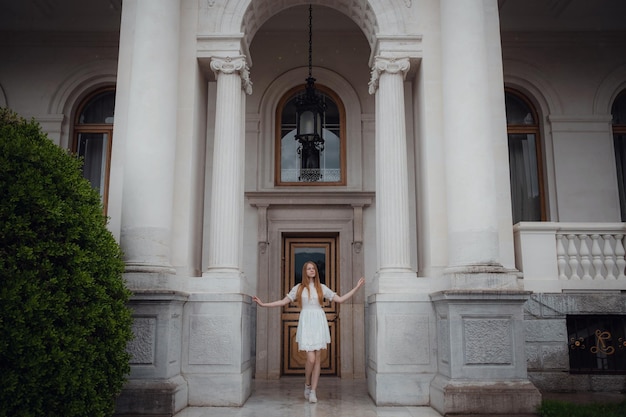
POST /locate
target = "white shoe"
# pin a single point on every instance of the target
(307, 391)
(312, 397)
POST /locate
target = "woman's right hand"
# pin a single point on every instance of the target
(258, 301)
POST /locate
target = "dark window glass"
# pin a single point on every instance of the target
(524, 159)
(618, 111)
(93, 138)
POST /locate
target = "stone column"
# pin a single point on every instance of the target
(473, 241)
(469, 157)
(398, 317)
(392, 189)
(219, 319)
(150, 134)
(226, 218)
(144, 162)
(481, 363)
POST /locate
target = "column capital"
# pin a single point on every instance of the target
(391, 65)
(230, 65)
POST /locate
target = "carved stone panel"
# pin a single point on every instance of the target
(142, 346)
(488, 341)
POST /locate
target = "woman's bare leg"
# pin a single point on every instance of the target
(308, 367)
(316, 357)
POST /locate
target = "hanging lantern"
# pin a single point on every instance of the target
(310, 108)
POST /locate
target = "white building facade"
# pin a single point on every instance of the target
(472, 172)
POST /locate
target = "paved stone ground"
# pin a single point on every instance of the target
(347, 398)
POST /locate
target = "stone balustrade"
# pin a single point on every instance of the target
(557, 257)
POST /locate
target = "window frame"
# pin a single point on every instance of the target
(102, 128)
(535, 129)
(278, 131)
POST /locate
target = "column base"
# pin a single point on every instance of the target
(153, 398)
(401, 358)
(398, 389)
(219, 390)
(490, 277)
(220, 281)
(218, 337)
(499, 398)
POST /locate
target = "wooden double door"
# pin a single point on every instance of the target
(296, 251)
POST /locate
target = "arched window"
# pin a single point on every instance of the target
(297, 164)
(618, 110)
(93, 135)
(527, 197)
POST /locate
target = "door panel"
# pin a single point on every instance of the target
(297, 251)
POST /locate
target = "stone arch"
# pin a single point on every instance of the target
(78, 83)
(609, 88)
(247, 16)
(529, 80)
(267, 109)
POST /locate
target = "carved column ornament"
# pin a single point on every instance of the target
(230, 65)
(390, 65)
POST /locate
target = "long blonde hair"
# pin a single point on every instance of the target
(306, 281)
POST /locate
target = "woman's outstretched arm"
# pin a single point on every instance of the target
(341, 298)
(278, 303)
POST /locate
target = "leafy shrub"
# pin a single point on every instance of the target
(64, 322)
(553, 408)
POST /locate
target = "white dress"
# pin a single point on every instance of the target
(312, 332)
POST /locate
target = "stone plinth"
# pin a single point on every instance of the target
(400, 360)
(218, 343)
(155, 386)
(481, 361)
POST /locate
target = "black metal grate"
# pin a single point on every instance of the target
(597, 343)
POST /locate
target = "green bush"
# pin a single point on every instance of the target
(553, 408)
(64, 320)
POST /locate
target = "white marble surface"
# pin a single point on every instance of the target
(284, 397)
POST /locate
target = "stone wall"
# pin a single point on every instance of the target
(547, 348)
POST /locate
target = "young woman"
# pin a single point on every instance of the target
(312, 334)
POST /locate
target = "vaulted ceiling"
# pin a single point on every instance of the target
(515, 15)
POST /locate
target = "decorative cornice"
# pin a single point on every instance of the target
(293, 198)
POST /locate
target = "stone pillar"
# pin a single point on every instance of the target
(150, 134)
(219, 319)
(392, 189)
(481, 365)
(144, 154)
(470, 168)
(399, 369)
(226, 218)
(473, 240)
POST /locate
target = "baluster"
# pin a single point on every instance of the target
(560, 257)
(619, 254)
(596, 252)
(585, 258)
(609, 257)
(572, 255)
